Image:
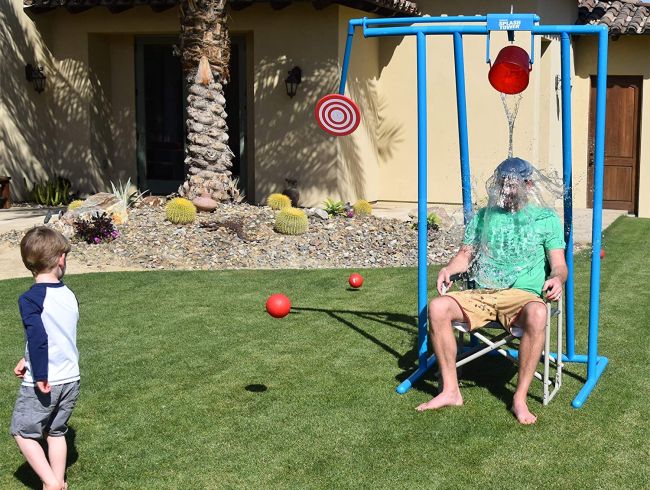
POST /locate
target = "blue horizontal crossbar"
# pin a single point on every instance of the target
(414, 29)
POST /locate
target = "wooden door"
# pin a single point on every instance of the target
(620, 190)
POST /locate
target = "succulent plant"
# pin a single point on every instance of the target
(278, 201)
(291, 221)
(433, 222)
(180, 211)
(52, 192)
(75, 204)
(333, 207)
(362, 208)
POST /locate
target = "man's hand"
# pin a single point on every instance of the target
(553, 288)
(43, 386)
(20, 368)
(443, 279)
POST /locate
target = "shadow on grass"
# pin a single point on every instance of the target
(493, 373)
(25, 474)
(405, 323)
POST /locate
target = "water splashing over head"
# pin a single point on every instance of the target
(507, 232)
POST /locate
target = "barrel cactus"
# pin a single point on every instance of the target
(75, 204)
(362, 208)
(291, 221)
(278, 201)
(180, 211)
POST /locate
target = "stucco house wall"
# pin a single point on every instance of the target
(85, 122)
(626, 56)
(537, 132)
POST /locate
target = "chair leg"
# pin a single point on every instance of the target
(460, 347)
(547, 348)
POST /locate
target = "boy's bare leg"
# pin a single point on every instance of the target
(533, 321)
(35, 456)
(57, 451)
(442, 311)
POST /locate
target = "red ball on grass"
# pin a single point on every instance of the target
(278, 305)
(355, 280)
(602, 253)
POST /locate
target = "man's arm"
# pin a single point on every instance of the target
(459, 263)
(558, 275)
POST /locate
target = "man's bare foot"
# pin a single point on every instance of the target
(444, 399)
(524, 416)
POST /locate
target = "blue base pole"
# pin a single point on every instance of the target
(408, 383)
(590, 384)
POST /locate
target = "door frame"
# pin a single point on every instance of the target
(636, 80)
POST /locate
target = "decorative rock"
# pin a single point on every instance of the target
(156, 201)
(318, 212)
(205, 204)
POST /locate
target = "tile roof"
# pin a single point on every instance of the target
(385, 8)
(621, 16)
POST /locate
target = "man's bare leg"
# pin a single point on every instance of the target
(533, 321)
(442, 311)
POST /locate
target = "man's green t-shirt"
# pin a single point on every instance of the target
(510, 248)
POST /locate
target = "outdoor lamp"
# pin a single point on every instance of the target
(35, 75)
(293, 80)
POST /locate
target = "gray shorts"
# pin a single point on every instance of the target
(39, 414)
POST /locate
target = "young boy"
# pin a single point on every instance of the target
(50, 368)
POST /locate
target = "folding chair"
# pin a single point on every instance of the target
(497, 343)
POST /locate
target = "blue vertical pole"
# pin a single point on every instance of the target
(422, 197)
(461, 105)
(346, 58)
(567, 163)
(597, 222)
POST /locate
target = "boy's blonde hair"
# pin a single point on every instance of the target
(41, 248)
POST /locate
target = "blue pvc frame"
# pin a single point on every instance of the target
(483, 25)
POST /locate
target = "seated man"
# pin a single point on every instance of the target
(514, 250)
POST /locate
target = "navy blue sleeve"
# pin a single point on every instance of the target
(31, 307)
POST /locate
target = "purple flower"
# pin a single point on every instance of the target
(97, 239)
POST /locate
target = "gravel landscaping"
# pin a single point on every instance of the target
(237, 236)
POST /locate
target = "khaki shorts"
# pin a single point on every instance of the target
(481, 306)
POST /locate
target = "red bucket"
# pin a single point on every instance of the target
(509, 72)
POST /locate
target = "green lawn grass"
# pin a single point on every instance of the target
(188, 383)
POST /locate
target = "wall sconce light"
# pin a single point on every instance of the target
(36, 75)
(293, 80)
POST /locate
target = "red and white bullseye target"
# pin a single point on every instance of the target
(337, 114)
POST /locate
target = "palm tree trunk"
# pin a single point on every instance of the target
(205, 47)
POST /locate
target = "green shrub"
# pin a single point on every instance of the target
(180, 211)
(278, 201)
(291, 221)
(333, 207)
(362, 208)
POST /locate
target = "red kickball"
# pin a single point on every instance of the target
(355, 280)
(278, 305)
(602, 253)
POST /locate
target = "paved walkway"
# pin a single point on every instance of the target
(23, 218)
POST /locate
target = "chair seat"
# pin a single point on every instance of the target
(516, 331)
